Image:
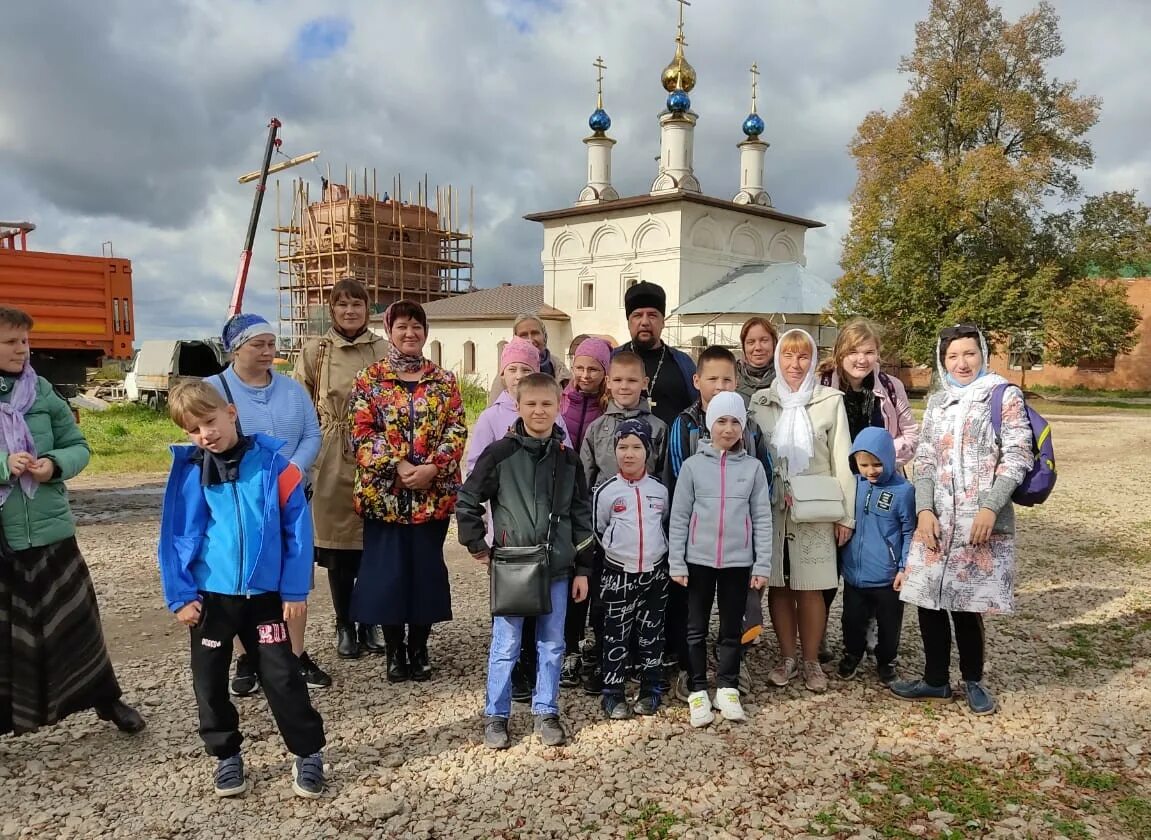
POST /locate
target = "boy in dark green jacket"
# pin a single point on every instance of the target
(530, 478)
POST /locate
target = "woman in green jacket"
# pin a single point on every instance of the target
(49, 622)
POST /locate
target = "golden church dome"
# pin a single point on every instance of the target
(679, 75)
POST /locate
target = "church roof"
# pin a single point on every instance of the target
(599, 208)
(783, 287)
(506, 301)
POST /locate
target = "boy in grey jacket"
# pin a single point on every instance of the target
(725, 489)
(629, 511)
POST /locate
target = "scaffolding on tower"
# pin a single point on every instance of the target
(415, 249)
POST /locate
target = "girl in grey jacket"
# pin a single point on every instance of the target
(720, 543)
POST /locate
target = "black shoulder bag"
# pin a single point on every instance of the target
(521, 575)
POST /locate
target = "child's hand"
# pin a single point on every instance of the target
(842, 534)
(18, 462)
(189, 614)
(42, 469)
(295, 609)
(899, 578)
(758, 582)
(579, 588)
(981, 527)
(927, 529)
(482, 557)
(680, 579)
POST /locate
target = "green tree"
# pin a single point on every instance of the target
(1090, 319)
(948, 219)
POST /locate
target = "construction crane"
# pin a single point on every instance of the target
(261, 177)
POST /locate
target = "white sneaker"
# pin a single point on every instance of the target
(727, 702)
(700, 705)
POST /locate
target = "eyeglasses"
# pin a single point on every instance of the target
(959, 331)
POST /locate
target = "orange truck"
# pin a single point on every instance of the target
(82, 306)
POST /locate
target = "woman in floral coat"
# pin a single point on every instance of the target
(962, 559)
(408, 431)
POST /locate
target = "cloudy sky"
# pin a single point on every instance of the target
(130, 120)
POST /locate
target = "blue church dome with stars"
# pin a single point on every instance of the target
(753, 125)
(599, 121)
(678, 102)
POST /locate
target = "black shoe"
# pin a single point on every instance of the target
(615, 707)
(372, 638)
(887, 673)
(313, 675)
(347, 642)
(246, 681)
(398, 664)
(848, 666)
(122, 715)
(419, 668)
(550, 730)
(593, 683)
(522, 684)
(648, 703)
(496, 735)
(572, 667)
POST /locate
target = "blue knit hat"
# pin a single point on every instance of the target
(242, 328)
(634, 426)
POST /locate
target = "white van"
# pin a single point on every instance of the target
(160, 364)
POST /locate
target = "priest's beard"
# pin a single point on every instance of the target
(646, 344)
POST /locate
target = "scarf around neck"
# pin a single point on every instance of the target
(14, 433)
(403, 363)
(223, 467)
(793, 436)
(753, 378)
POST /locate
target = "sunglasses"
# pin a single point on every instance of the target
(959, 331)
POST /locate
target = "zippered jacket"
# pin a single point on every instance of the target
(689, 429)
(391, 424)
(244, 537)
(721, 513)
(628, 519)
(494, 422)
(598, 451)
(518, 475)
(884, 517)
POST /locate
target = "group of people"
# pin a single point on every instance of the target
(663, 489)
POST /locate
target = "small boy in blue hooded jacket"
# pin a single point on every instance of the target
(876, 554)
(236, 560)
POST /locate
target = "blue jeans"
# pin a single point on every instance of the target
(505, 649)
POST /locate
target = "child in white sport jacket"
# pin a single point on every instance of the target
(629, 511)
(724, 489)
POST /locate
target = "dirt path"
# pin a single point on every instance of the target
(1065, 757)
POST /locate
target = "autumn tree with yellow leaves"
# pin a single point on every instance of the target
(951, 217)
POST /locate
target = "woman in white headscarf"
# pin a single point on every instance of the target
(962, 558)
(807, 427)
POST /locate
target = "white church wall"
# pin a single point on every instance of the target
(472, 347)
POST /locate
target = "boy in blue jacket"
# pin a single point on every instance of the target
(875, 556)
(236, 561)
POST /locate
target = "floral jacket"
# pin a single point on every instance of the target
(424, 426)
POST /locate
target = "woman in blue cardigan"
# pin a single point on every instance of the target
(278, 406)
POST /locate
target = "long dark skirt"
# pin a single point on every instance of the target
(53, 660)
(403, 578)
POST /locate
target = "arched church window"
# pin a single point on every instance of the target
(469, 357)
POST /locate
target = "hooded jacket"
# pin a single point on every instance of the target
(235, 538)
(628, 520)
(884, 518)
(598, 451)
(689, 430)
(518, 475)
(721, 513)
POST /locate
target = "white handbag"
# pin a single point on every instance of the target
(815, 498)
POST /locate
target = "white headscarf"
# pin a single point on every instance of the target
(793, 436)
(976, 391)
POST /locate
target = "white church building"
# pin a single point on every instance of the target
(720, 260)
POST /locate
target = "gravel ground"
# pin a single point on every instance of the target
(1066, 755)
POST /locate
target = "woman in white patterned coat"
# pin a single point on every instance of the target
(962, 559)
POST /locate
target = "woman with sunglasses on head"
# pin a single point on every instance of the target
(962, 559)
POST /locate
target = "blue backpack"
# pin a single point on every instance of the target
(1040, 479)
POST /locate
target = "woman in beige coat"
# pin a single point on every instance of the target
(807, 428)
(327, 367)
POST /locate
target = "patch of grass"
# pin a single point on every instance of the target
(1074, 829)
(653, 823)
(1134, 814)
(1082, 776)
(475, 397)
(129, 438)
(1115, 643)
(1080, 391)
